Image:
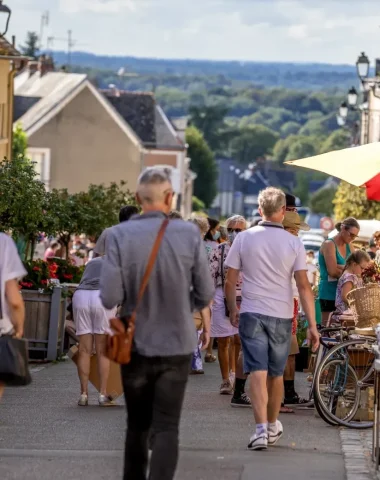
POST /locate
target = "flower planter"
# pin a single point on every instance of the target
(45, 323)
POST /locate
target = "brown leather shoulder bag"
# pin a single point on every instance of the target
(119, 345)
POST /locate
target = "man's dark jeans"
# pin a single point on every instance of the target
(154, 389)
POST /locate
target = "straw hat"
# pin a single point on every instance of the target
(293, 220)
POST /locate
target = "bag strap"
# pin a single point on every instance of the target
(222, 248)
(150, 264)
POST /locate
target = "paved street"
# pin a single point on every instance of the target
(44, 435)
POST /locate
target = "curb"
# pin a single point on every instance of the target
(356, 448)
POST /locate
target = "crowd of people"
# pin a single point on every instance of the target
(238, 288)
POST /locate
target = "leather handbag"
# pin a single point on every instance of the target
(119, 345)
(14, 368)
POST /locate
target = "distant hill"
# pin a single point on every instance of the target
(307, 76)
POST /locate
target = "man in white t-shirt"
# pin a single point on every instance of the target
(268, 256)
(12, 310)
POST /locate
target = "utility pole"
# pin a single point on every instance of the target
(44, 22)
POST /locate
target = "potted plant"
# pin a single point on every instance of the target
(45, 304)
(302, 359)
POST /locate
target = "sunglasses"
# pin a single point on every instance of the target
(352, 235)
(236, 230)
(291, 209)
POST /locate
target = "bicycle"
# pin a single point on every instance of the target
(345, 371)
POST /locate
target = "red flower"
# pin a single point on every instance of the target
(36, 269)
(68, 276)
(44, 282)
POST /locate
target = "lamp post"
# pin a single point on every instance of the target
(7, 11)
(362, 66)
(352, 97)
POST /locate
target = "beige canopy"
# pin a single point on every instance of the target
(356, 165)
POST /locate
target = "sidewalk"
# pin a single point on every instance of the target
(44, 435)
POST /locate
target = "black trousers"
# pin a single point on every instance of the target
(154, 389)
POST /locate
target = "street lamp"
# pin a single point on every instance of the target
(352, 97)
(340, 121)
(343, 110)
(7, 11)
(362, 66)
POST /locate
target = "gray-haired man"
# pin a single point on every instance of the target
(268, 256)
(155, 379)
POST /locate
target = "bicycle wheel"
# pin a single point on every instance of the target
(322, 414)
(341, 377)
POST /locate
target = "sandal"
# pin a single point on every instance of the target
(210, 358)
(284, 409)
(295, 400)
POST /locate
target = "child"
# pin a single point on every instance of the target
(356, 263)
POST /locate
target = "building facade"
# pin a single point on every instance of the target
(10, 61)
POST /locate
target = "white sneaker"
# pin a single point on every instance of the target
(258, 442)
(105, 401)
(83, 400)
(275, 435)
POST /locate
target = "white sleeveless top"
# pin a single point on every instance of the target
(11, 268)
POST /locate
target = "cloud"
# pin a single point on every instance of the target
(97, 6)
(263, 30)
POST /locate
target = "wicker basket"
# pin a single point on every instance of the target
(365, 305)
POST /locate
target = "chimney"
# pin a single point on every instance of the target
(32, 67)
(45, 64)
(114, 90)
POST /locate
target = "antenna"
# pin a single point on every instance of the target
(44, 22)
(69, 42)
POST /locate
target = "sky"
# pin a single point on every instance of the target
(323, 31)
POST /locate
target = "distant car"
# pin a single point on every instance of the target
(312, 242)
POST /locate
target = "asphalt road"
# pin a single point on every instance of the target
(44, 436)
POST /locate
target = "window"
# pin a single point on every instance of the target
(41, 159)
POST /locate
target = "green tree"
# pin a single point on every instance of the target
(87, 212)
(210, 120)
(252, 142)
(352, 201)
(302, 147)
(19, 142)
(281, 149)
(289, 128)
(103, 204)
(30, 49)
(198, 205)
(322, 201)
(336, 141)
(301, 189)
(271, 117)
(203, 164)
(22, 201)
(320, 126)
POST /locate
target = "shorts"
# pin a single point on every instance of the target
(294, 348)
(265, 343)
(327, 305)
(90, 317)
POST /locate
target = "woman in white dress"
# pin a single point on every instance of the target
(92, 323)
(221, 327)
(12, 310)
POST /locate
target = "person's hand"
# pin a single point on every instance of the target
(19, 332)
(204, 340)
(234, 318)
(313, 338)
